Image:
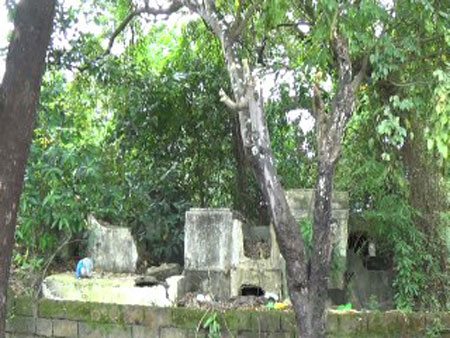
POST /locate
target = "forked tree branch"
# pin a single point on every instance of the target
(207, 10)
(174, 7)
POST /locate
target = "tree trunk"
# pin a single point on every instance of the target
(287, 230)
(427, 196)
(241, 200)
(19, 95)
(306, 276)
(322, 238)
(255, 137)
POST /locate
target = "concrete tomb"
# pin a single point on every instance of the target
(227, 258)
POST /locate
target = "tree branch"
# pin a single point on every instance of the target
(242, 104)
(240, 23)
(318, 104)
(208, 12)
(340, 49)
(2, 97)
(295, 26)
(411, 83)
(362, 72)
(121, 27)
(308, 9)
(174, 7)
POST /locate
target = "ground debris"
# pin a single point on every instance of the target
(258, 303)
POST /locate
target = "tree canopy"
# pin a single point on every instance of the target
(139, 136)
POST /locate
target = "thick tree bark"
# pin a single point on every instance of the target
(287, 230)
(18, 101)
(330, 127)
(242, 201)
(321, 257)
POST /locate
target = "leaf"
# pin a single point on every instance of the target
(209, 321)
(345, 307)
(442, 148)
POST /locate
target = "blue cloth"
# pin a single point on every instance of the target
(84, 268)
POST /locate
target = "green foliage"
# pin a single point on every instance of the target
(390, 128)
(382, 198)
(435, 329)
(398, 194)
(139, 138)
(133, 141)
(293, 149)
(438, 134)
(28, 264)
(213, 326)
(273, 13)
(345, 307)
(62, 170)
(306, 229)
(164, 122)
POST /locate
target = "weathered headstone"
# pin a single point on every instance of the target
(207, 251)
(112, 248)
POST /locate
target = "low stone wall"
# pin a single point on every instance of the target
(49, 318)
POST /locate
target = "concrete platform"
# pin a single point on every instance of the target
(118, 289)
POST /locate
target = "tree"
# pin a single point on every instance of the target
(19, 96)
(307, 273)
(401, 186)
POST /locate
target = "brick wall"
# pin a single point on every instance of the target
(48, 318)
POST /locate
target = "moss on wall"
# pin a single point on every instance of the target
(121, 320)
